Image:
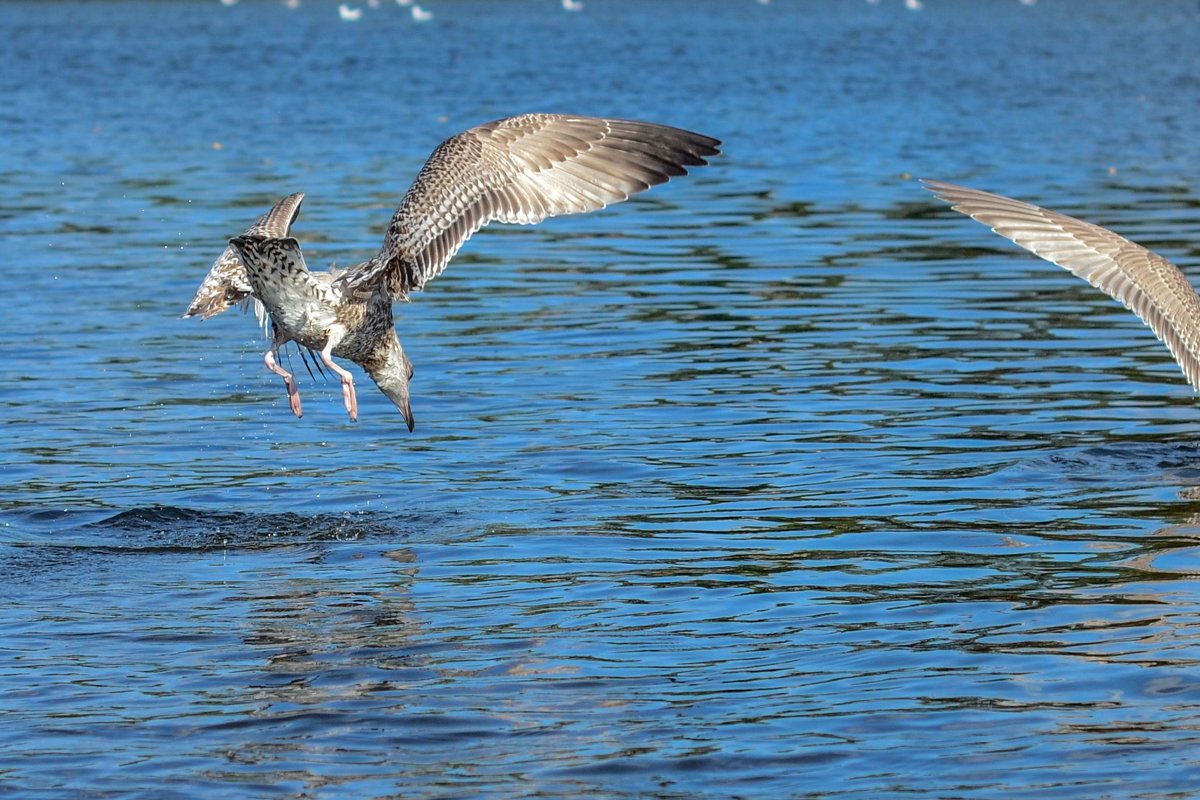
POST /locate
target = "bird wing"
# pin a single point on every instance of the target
(521, 170)
(1145, 282)
(227, 284)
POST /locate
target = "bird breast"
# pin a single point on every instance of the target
(299, 308)
(367, 324)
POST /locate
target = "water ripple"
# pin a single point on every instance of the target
(780, 479)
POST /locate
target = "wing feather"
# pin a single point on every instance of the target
(1144, 282)
(521, 170)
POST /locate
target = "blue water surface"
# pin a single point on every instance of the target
(781, 480)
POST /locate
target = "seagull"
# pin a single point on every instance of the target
(572, 5)
(1145, 282)
(520, 169)
(421, 15)
(349, 14)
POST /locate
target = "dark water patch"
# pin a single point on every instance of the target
(170, 529)
(1169, 463)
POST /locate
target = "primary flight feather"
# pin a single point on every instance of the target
(1143, 281)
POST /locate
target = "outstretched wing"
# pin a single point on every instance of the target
(521, 169)
(226, 284)
(1145, 282)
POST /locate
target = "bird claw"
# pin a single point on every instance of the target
(294, 401)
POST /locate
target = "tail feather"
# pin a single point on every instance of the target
(226, 283)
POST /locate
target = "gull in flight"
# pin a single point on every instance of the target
(1144, 282)
(520, 170)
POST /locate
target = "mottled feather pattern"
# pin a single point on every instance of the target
(1144, 282)
(521, 170)
(294, 297)
(227, 284)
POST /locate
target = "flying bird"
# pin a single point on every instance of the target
(520, 169)
(1145, 282)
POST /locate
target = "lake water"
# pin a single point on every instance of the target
(780, 480)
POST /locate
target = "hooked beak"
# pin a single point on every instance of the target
(392, 380)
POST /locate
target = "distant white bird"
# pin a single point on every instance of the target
(764, 2)
(1028, 2)
(349, 14)
(229, 2)
(572, 5)
(913, 5)
(421, 15)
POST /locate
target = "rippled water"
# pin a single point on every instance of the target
(780, 480)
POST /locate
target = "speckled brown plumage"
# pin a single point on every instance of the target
(227, 284)
(519, 170)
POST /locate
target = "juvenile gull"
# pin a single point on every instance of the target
(1145, 282)
(520, 169)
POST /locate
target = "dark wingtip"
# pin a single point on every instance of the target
(711, 146)
(699, 148)
(202, 309)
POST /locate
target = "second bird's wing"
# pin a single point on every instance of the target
(1145, 282)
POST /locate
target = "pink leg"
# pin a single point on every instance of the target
(288, 381)
(348, 395)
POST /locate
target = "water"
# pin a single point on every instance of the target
(780, 480)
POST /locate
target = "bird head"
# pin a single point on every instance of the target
(392, 374)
